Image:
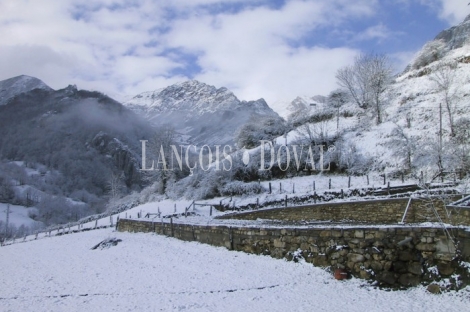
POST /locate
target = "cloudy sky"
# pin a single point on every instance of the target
(256, 48)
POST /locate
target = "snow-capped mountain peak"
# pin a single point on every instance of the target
(202, 112)
(11, 87)
(189, 95)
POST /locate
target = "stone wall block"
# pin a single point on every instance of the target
(356, 257)
(415, 268)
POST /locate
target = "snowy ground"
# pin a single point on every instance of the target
(147, 272)
(292, 187)
(303, 186)
(18, 215)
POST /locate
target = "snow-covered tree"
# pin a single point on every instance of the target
(115, 189)
(160, 152)
(366, 81)
(260, 128)
(462, 142)
(404, 146)
(6, 191)
(444, 77)
(336, 99)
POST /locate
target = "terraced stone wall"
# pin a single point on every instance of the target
(388, 211)
(391, 255)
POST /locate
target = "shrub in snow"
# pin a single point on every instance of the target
(60, 210)
(241, 188)
(295, 256)
(431, 52)
(201, 185)
(260, 128)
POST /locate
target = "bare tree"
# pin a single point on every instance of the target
(337, 99)
(462, 142)
(316, 133)
(115, 187)
(366, 81)
(161, 154)
(444, 76)
(403, 146)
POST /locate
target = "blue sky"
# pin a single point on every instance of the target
(271, 49)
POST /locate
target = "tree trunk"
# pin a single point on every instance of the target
(379, 113)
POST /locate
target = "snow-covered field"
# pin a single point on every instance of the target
(147, 272)
(18, 215)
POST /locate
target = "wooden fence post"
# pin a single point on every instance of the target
(270, 189)
(349, 181)
(329, 184)
(285, 201)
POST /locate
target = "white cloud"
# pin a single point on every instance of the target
(377, 32)
(452, 11)
(402, 59)
(251, 52)
(38, 61)
(125, 47)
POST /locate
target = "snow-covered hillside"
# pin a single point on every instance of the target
(147, 272)
(407, 139)
(19, 215)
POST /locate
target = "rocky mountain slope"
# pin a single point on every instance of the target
(85, 137)
(201, 113)
(450, 40)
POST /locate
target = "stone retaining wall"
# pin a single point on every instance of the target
(388, 211)
(393, 256)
